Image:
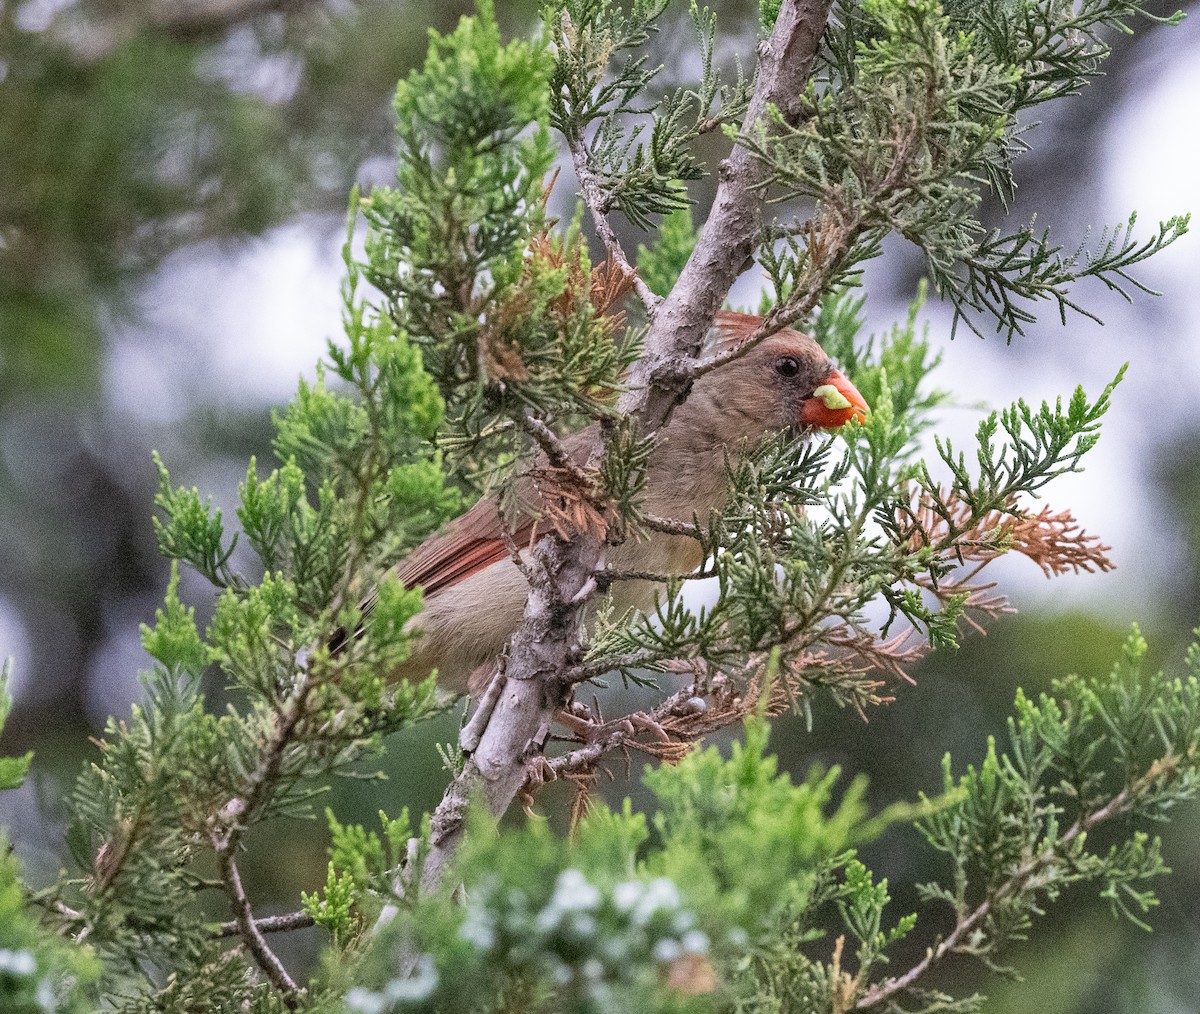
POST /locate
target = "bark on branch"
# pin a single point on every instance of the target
(660, 379)
(251, 933)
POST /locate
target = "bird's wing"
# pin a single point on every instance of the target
(474, 541)
(468, 544)
(465, 546)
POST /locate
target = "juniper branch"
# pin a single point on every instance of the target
(268, 924)
(1121, 803)
(250, 933)
(669, 526)
(593, 197)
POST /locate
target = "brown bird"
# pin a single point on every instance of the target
(475, 594)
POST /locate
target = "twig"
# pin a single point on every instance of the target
(591, 670)
(670, 526)
(269, 924)
(608, 575)
(262, 779)
(248, 930)
(514, 551)
(227, 838)
(772, 324)
(1120, 803)
(593, 197)
(66, 911)
(556, 451)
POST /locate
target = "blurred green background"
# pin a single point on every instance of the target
(173, 179)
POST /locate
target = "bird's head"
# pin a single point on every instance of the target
(785, 382)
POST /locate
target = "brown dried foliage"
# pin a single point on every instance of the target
(569, 508)
(500, 355)
(603, 286)
(714, 700)
(1054, 541)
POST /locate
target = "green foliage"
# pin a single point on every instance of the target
(175, 787)
(601, 922)
(715, 814)
(730, 897)
(913, 115)
(370, 858)
(332, 910)
(599, 85)
(174, 642)
(39, 972)
(502, 308)
(1093, 749)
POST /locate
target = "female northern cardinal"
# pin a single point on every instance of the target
(474, 593)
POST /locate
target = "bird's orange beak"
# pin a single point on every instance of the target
(834, 403)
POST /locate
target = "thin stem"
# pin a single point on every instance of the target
(607, 576)
(772, 324)
(593, 197)
(269, 924)
(557, 452)
(226, 841)
(1119, 804)
(248, 930)
(670, 526)
(262, 780)
(592, 670)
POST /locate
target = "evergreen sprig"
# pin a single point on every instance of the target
(1016, 837)
(176, 788)
(599, 89)
(916, 120)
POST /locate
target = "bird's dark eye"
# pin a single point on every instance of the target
(787, 366)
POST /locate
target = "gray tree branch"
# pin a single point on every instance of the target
(660, 380)
(251, 934)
